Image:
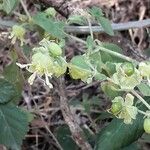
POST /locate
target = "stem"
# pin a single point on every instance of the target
(90, 27)
(117, 54)
(107, 51)
(25, 9)
(142, 112)
(77, 132)
(141, 99)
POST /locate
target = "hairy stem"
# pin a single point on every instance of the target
(101, 48)
(142, 112)
(117, 54)
(25, 9)
(141, 99)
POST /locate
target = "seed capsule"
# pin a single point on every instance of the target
(116, 107)
(147, 125)
(128, 68)
(55, 49)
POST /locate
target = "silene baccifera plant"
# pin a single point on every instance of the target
(47, 61)
(101, 61)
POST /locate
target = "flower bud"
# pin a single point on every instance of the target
(55, 49)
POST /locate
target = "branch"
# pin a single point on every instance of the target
(115, 27)
(85, 29)
(75, 129)
(62, 6)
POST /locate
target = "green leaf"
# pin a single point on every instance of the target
(13, 126)
(96, 12)
(55, 28)
(9, 5)
(80, 61)
(104, 22)
(7, 91)
(64, 138)
(77, 19)
(110, 68)
(89, 43)
(144, 89)
(106, 25)
(100, 77)
(96, 60)
(133, 146)
(13, 75)
(112, 47)
(110, 89)
(118, 135)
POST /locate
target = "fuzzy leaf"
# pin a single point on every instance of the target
(13, 75)
(96, 12)
(118, 135)
(9, 5)
(144, 89)
(106, 25)
(7, 91)
(110, 90)
(77, 19)
(64, 137)
(55, 28)
(13, 126)
(112, 47)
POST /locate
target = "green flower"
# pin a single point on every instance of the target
(80, 68)
(51, 47)
(60, 67)
(41, 65)
(127, 112)
(144, 68)
(18, 32)
(124, 81)
(50, 11)
(79, 73)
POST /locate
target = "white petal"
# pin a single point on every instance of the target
(32, 78)
(47, 82)
(129, 99)
(132, 111)
(23, 65)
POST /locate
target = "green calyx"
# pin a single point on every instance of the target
(41, 63)
(54, 49)
(78, 73)
(147, 125)
(128, 68)
(116, 108)
(50, 11)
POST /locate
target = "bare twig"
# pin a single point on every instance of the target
(115, 26)
(62, 6)
(85, 29)
(25, 9)
(75, 129)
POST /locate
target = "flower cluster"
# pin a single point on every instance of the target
(144, 68)
(46, 61)
(18, 33)
(125, 81)
(124, 109)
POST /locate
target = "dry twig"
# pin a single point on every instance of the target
(75, 129)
